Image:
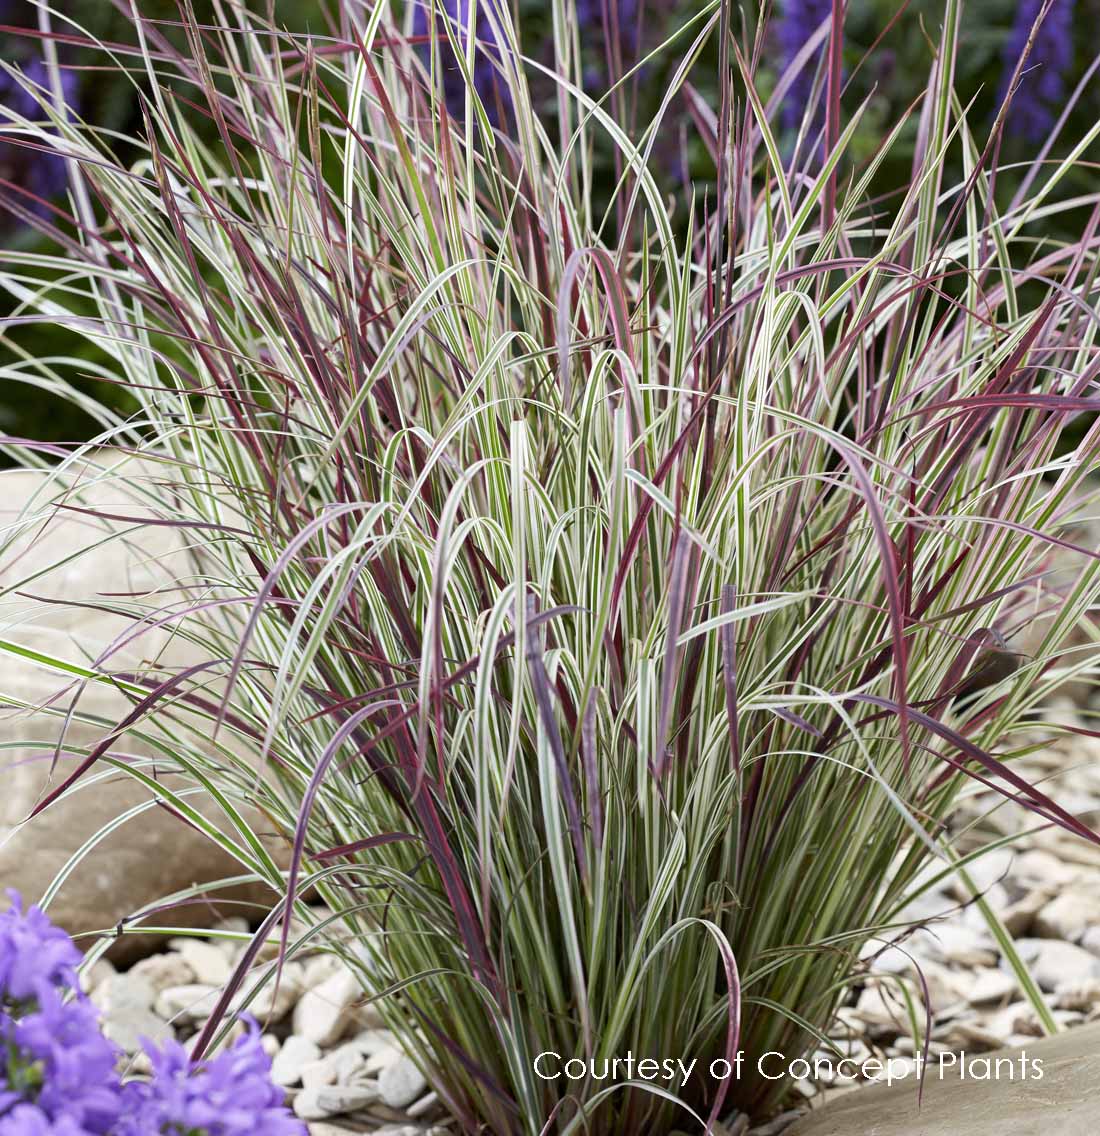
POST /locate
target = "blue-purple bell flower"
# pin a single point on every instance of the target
(1041, 90)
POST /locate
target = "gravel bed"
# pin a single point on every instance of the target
(1044, 888)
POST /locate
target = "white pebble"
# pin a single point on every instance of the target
(296, 1053)
(401, 1083)
(210, 965)
(324, 1013)
(182, 1005)
(324, 1101)
(162, 971)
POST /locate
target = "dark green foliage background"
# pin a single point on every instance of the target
(891, 76)
(109, 102)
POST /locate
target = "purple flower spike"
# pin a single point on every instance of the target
(1042, 87)
(798, 22)
(491, 89)
(39, 173)
(600, 19)
(27, 1120)
(75, 1062)
(591, 15)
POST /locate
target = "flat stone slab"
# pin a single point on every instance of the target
(1065, 1100)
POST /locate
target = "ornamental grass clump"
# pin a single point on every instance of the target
(606, 591)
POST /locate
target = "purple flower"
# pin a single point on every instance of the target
(59, 1061)
(57, 1070)
(29, 1120)
(598, 19)
(621, 16)
(798, 22)
(35, 956)
(40, 174)
(1041, 88)
(229, 1095)
(490, 87)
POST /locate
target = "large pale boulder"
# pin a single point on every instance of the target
(65, 557)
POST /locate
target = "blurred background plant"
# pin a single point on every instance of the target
(885, 56)
(109, 99)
